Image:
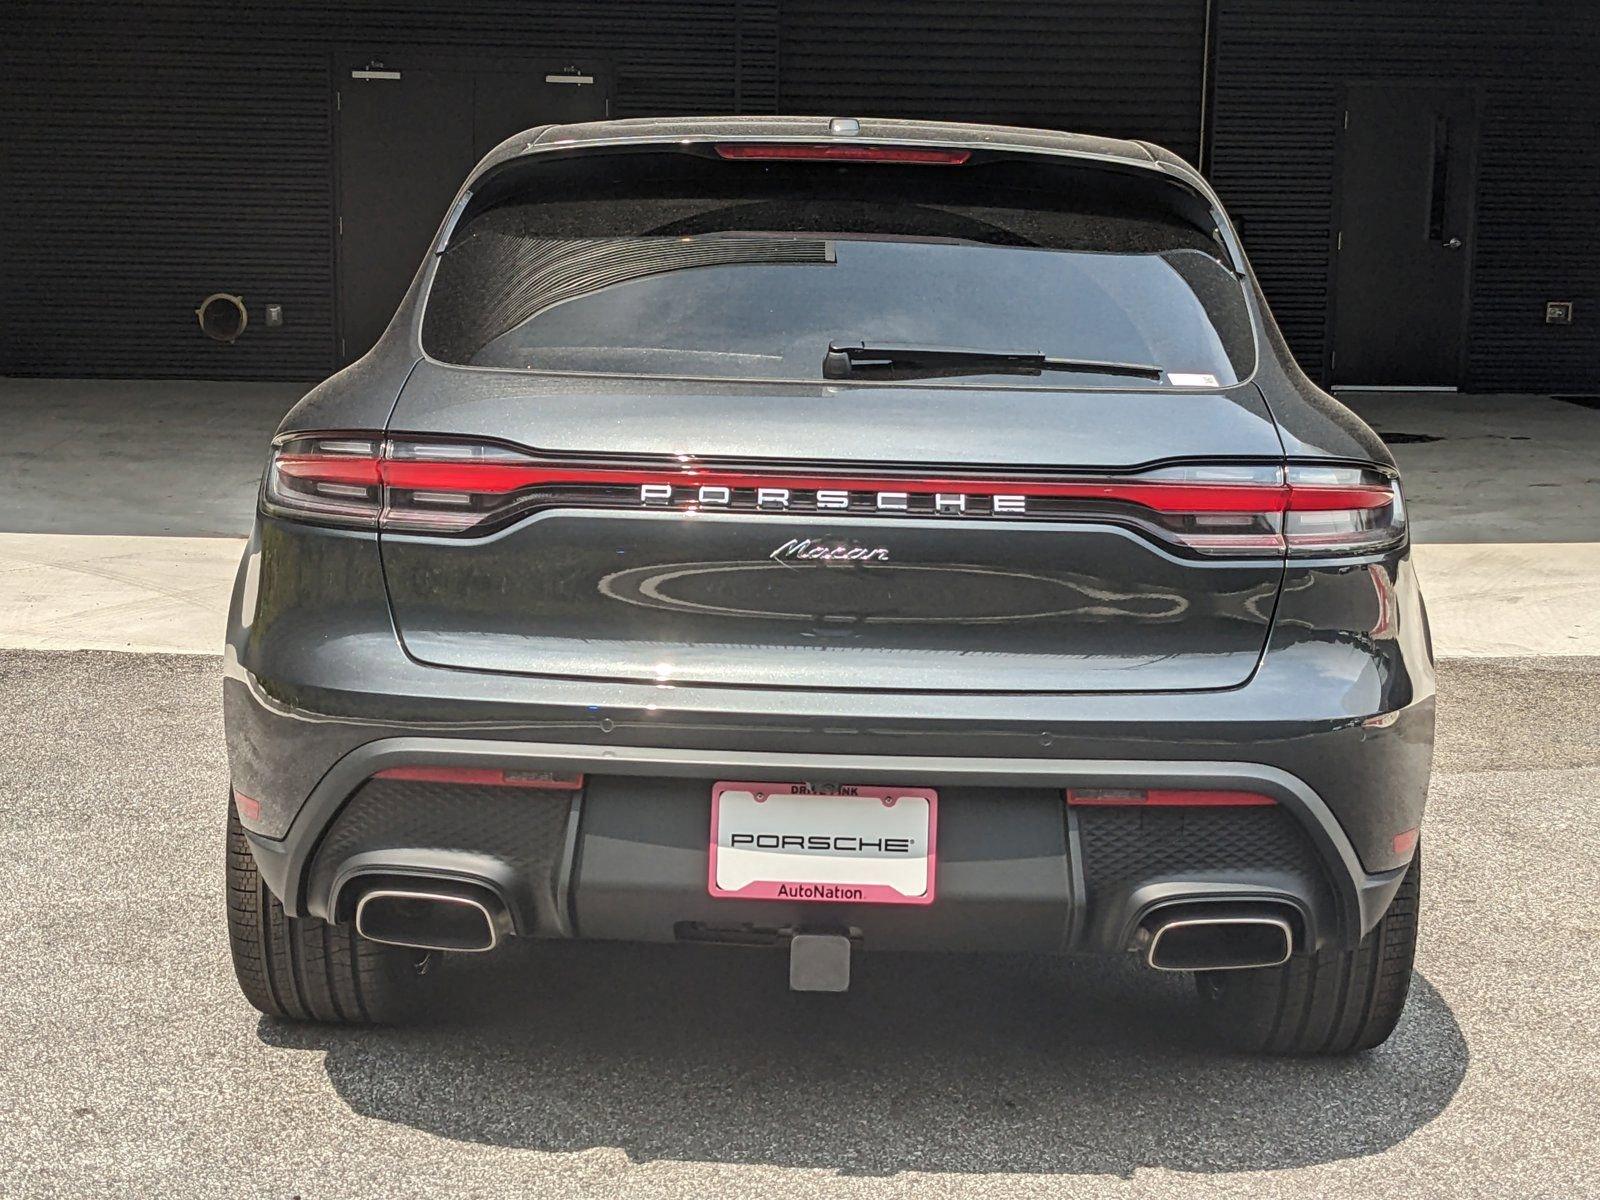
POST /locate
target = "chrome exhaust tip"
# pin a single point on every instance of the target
(1194, 941)
(436, 917)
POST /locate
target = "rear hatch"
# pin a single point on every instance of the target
(981, 425)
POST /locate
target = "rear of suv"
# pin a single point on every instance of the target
(834, 536)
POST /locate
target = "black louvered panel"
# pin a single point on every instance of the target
(141, 177)
(158, 153)
(1126, 847)
(153, 155)
(1279, 68)
(756, 56)
(524, 830)
(1126, 68)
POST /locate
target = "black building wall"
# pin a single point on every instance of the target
(1122, 68)
(1279, 66)
(154, 153)
(158, 152)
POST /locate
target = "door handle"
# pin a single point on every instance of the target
(1452, 243)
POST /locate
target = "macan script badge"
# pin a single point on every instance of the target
(811, 550)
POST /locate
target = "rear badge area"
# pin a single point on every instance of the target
(853, 845)
(811, 550)
(814, 497)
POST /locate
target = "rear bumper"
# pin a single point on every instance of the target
(626, 857)
(1336, 723)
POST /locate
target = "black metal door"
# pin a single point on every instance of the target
(407, 138)
(1405, 188)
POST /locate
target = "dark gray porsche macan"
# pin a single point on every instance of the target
(836, 536)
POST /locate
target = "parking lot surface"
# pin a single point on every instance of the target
(130, 1066)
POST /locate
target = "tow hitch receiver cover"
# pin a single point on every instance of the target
(819, 962)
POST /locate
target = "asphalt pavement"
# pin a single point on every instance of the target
(131, 1066)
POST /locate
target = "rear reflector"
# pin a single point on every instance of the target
(1405, 843)
(842, 153)
(1164, 798)
(249, 810)
(560, 781)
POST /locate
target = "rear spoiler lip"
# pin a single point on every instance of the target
(500, 160)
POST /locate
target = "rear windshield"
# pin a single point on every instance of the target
(683, 265)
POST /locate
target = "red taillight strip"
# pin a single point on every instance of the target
(331, 468)
(933, 156)
(1335, 498)
(495, 478)
(1164, 798)
(485, 777)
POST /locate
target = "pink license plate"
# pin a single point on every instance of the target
(856, 845)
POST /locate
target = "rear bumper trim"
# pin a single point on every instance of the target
(1362, 897)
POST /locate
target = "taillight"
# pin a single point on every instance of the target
(847, 152)
(1306, 511)
(450, 487)
(409, 486)
(332, 480)
(1227, 511)
(1342, 510)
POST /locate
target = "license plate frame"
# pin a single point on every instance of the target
(814, 873)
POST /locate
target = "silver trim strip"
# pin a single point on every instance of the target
(1393, 387)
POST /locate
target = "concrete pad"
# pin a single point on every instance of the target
(176, 458)
(1498, 468)
(153, 594)
(170, 595)
(1510, 599)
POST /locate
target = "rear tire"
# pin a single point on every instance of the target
(304, 969)
(1335, 1002)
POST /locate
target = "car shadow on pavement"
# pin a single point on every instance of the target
(933, 1064)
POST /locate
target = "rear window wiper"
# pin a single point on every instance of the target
(887, 358)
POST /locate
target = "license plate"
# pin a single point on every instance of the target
(858, 845)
